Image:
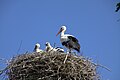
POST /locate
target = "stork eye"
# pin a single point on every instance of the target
(62, 28)
(46, 44)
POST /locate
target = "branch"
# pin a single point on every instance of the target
(19, 47)
(65, 58)
(102, 66)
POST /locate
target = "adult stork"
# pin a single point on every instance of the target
(69, 41)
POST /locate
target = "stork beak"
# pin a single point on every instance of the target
(59, 32)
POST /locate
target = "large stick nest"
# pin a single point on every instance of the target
(51, 66)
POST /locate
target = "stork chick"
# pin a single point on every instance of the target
(50, 48)
(37, 48)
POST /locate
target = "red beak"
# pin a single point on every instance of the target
(59, 32)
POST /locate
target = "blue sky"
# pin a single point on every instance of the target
(93, 22)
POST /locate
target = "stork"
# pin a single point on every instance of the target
(50, 48)
(69, 41)
(37, 48)
(59, 49)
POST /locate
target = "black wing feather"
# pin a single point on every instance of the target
(73, 38)
(35, 48)
(74, 43)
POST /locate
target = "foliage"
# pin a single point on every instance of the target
(117, 7)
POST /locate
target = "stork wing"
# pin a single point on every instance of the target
(74, 43)
(59, 47)
(73, 38)
(35, 48)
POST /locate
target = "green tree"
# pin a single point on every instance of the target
(117, 7)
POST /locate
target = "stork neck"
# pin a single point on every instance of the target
(37, 47)
(50, 46)
(62, 33)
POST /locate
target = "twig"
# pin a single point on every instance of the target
(59, 78)
(3, 77)
(5, 60)
(65, 58)
(47, 76)
(54, 45)
(2, 71)
(19, 47)
(81, 53)
(102, 66)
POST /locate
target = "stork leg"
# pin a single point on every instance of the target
(68, 51)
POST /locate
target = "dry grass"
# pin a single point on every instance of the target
(51, 66)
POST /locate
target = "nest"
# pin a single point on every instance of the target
(51, 66)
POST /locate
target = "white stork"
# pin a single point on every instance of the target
(59, 49)
(69, 41)
(37, 48)
(50, 48)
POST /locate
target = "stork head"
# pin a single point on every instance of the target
(62, 29)
(37, 45)
(47, 44)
